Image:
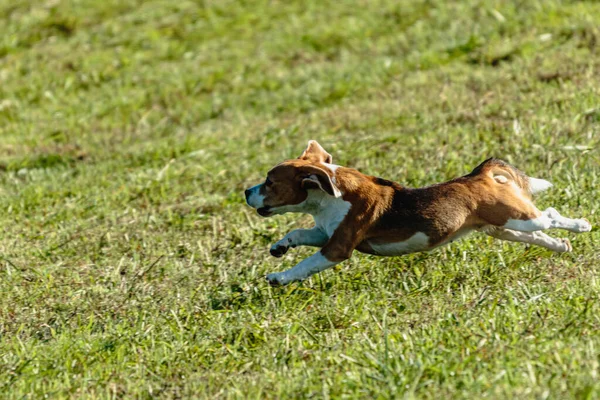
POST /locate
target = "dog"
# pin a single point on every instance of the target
(353, 211)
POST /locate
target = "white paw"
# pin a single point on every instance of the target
(567, 246)
(277, 279)
(584, 225)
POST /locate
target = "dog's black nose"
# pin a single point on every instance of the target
(247, 193)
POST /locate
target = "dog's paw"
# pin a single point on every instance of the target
(277, 279)
(567, 243)
(278, 250)
(584, 225)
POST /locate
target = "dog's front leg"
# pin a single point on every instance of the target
(337, 249)
(299, 237)
(307, 267)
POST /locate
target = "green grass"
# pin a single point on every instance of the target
(131, 268)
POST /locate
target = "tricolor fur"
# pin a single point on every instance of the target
(353, 211)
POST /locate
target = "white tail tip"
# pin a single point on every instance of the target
(538, 185)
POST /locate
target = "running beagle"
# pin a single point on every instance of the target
(377, 216)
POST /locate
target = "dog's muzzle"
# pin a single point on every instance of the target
(255, 200)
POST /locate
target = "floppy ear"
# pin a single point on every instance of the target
(314, 152)
(318, 179)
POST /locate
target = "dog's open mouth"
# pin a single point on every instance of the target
(264, 211)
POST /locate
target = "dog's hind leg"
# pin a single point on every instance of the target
(536, 238)
(547, 219)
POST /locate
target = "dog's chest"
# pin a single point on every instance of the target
(331, 214)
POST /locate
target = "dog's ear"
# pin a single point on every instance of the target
(316, 178)
(314, 152)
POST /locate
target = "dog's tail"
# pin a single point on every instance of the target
(504, 173)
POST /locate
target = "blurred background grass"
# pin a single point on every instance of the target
(132, 268)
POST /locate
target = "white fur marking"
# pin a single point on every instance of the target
(538, 185)
(307, 267)
(417, 242)
(536, 238)
(530, 225)
(330, 214)
(303, 237)
(256, 199)
(550, 218)
(331, 167)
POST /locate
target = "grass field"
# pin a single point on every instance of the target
(130, 266)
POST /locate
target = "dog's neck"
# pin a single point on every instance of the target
(326, 210)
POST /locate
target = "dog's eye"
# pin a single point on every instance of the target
(268, 182)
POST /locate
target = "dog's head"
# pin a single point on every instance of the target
(287, 185)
